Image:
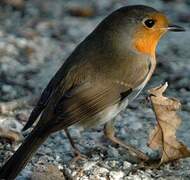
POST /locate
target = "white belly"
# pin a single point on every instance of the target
(110, 112)
(106, 115)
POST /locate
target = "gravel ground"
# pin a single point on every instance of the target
(36, 38)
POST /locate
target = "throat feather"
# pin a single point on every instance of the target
(147, 46)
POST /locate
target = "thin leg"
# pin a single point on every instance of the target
(109, 131)
(78, 155)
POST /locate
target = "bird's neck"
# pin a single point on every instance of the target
(146, 43)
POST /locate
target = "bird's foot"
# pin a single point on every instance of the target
(109, 132)
(132, 150)
(78, 156)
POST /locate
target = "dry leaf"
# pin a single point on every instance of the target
(10, 129)
(10, 134)
(163, 137)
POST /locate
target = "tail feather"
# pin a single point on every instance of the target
(33, 116)
(18, 161)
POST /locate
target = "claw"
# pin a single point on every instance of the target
(78, 156)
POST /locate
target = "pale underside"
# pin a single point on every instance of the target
(110, 112)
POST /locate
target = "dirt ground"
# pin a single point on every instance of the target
(35, 39)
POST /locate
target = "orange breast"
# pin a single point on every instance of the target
(146, 42)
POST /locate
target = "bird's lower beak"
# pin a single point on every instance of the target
(175, 28)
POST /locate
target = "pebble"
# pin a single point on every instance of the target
(116, 175)
(89, 165)
(126, 165)
(113, 152)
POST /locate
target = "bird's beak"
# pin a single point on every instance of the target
(175, 28)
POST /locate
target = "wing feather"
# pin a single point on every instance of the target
(81, 103)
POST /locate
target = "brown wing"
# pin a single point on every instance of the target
(69, 72)
(81, 103)
(43, 101)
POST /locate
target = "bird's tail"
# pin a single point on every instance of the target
(18, 161)
(33, 116)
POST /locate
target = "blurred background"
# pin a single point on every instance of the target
(36, 37)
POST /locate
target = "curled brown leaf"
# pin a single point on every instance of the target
(163, 137)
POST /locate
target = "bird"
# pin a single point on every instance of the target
(103, 74)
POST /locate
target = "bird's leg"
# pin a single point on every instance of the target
(109, 131)
(78, 155)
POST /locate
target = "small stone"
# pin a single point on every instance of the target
(116, 175)
(6, 88)
(89, 165)
(10, 129)
(135, 125)
(101, 170)
(126, 165)
(49, 172)
(113, 152)
(22, 117)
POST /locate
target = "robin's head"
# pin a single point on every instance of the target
(140, 26)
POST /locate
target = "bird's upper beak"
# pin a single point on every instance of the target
(175, 28)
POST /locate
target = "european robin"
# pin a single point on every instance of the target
(104, 73)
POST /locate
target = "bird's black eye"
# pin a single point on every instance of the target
(149, 23)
